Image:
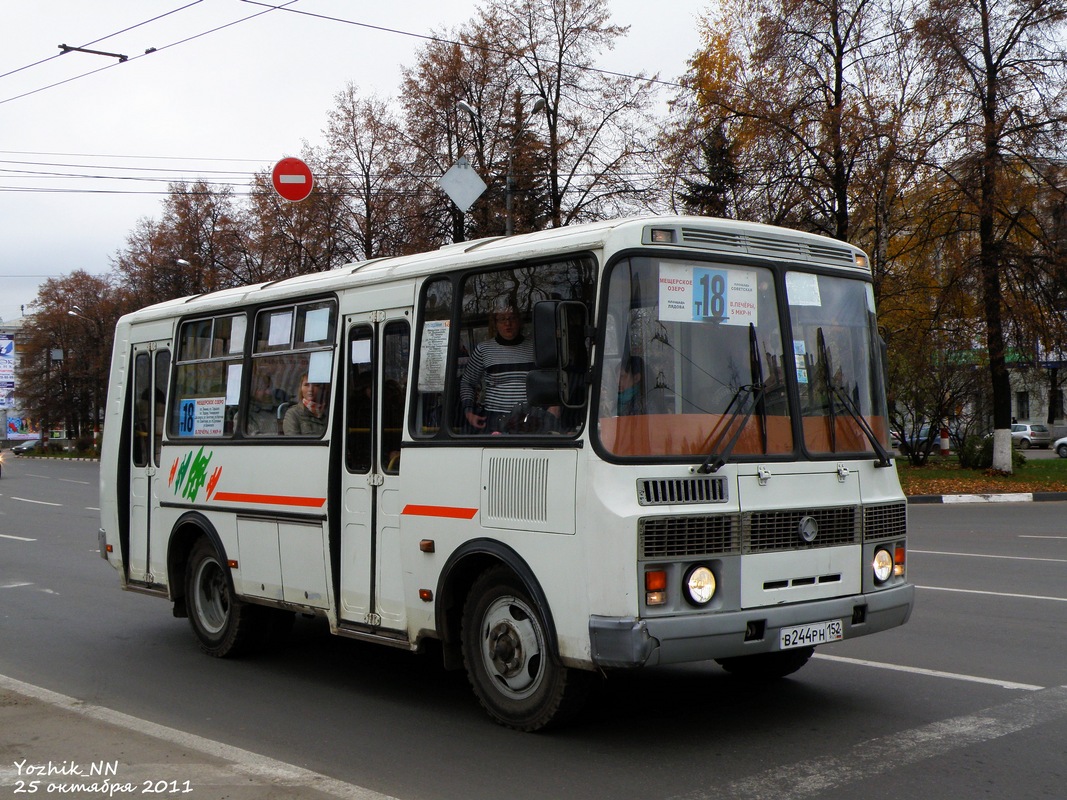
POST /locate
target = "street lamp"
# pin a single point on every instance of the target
(509, 181)
(96, 343)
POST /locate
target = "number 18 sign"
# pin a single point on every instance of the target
(688, 293)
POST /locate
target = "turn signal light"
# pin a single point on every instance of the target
(898, 562)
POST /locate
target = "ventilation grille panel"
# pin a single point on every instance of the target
(681, 491)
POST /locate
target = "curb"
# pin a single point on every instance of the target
(1016, 497)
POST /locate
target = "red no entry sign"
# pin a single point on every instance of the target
(292, 179)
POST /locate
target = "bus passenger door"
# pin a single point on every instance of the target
(376, 357)
(151, 368)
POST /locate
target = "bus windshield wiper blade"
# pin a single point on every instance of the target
(752, 394)
(850, 407)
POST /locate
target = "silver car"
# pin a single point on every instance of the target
(1026, 436)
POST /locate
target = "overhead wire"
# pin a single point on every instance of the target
(268, 8)
(149, 51)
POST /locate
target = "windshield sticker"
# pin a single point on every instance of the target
(433, 364)
(688, 293)
(800, 358)
(802, 288)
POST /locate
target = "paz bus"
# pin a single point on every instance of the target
(696, 470)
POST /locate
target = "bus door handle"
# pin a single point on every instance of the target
(375, 479)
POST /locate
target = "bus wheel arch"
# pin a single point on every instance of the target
(190, 527)
(459, 575)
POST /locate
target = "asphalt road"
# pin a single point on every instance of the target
(968, 700)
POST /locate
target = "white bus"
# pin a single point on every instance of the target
(691, 466)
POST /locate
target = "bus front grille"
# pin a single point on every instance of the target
(885, 521)
(675, 537)
(798, 529)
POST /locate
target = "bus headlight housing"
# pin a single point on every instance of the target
(882, 565)
(699, 585)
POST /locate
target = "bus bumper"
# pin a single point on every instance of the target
(631, 642)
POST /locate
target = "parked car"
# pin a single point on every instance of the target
(906, 443)
(1026, 436)
(29, 446)
(1060, 446)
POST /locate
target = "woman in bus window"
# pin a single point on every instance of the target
(308, 416)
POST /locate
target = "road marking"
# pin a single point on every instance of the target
(16, 538)
(14, 585)
(932, 673)
(91, 508)
(262, 768)
(1033, 536)
(815, 777)
(994, 594)
(35, 502)
(70, 480)
(984, 555)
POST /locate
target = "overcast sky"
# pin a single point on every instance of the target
(84, 156)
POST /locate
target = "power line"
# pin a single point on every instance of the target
(443, 40)
(147, 52)
(103, 38)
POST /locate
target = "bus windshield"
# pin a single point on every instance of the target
(696, 363)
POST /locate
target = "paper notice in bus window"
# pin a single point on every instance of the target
(433, 356)
(316, 325)
(280, 327)
(237, 335)
(202, 416)
(802, 289)
(800, 358)
(361, 351)
(233, 384)
(320, 367)
(690, 293)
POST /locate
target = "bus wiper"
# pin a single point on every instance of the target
(832, 391)
(752, 394)
(849, 404)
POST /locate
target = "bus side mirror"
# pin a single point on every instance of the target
(560, 354)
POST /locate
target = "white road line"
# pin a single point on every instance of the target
(984, 555)
(35, 502)
(931, 673)
(16, 538)
(994, 594)
(815, 777)
(70, 480)
(1033, 536)
(278, 773)
(14, 585)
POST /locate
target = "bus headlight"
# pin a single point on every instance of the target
(699, 585)
(883, 565)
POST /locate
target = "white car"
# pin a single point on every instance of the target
(1060, 446)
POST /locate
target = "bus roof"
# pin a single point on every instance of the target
(703, 233)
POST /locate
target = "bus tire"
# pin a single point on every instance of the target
(767, 666)
(223, 624)
(508, 657)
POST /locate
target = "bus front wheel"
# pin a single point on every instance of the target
(508, 658)
(223, 624)
(767, 666)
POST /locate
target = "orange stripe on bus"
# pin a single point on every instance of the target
(271, 499)
(451, 512)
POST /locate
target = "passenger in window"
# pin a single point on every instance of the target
(307, 417)
(262, 415)
(497, 371)
(631, 387)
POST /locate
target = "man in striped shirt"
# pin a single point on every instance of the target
(501, 363)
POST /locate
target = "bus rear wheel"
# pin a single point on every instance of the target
(767, 666)
(223, 624)
(508, 658)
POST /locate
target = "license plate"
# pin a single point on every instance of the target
(808, 635)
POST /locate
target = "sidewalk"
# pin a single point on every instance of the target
(52, 745)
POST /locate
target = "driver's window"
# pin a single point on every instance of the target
(496, 350)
